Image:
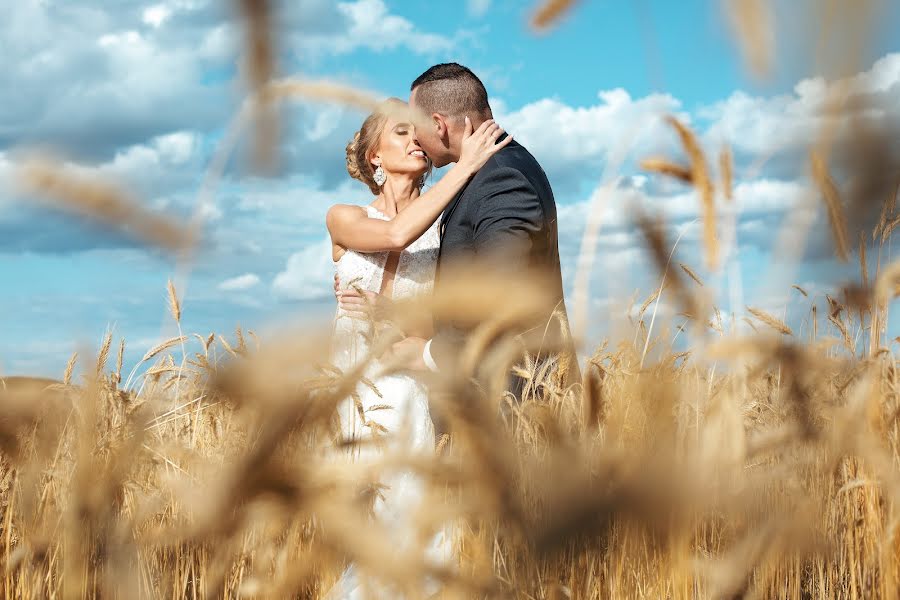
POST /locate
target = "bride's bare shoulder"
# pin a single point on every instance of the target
(341, 213)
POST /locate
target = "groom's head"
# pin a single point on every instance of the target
(441, 98)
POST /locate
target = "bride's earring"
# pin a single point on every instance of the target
(379, 176)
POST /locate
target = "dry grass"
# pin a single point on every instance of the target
(668, 168)
(549, 12)
(259, 69)
(705, 189)
(663, 480)
(668, 480)
(833, 202)
(770, 320)
(698, 176)
(102, 201)
(754, 24)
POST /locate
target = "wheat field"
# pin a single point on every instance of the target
(757, 460)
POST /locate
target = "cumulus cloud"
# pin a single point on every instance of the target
(574, 143)
(93, 77)
(239, 283)
(308, 274)
(783, 127)
(372, 26)
(770, 135)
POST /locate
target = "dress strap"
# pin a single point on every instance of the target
(374, 213)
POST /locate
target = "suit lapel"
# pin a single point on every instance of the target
(445, 216)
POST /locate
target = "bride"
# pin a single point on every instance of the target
(389, 249)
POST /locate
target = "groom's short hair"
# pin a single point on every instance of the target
(451, 89)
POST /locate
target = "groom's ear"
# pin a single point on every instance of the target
(440, 125)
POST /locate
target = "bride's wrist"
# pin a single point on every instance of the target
(466, 170)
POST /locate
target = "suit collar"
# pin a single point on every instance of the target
(445, 216)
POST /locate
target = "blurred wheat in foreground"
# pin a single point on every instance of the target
(766, 470)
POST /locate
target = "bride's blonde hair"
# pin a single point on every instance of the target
(366, 140)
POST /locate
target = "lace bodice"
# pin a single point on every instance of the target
(414, 277)
(415, 269)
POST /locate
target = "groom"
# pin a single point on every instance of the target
(504, 218)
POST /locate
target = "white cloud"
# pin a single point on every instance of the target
(156, 15)
(95, 76)
(372, 26)
(308, 275)
(239, 283)
(577, 133)
(573, 142)
(760, 126)
(176, 147)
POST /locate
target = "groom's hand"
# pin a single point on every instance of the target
(408, 353)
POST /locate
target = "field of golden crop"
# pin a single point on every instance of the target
(761, 465)
(774, 478)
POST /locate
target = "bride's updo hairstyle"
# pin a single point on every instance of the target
(365, 142)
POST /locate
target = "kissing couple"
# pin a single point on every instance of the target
(493, 208)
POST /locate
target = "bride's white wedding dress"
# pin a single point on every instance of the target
(398, 413)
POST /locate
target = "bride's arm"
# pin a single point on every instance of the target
(352, 229)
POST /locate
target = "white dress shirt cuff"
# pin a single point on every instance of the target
(426, 356)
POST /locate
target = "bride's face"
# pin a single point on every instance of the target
(399, 151)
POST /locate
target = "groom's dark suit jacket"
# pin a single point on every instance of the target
(505, 218)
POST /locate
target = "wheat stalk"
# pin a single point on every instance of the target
(259, 70)
(70, 366)
(863, 265)
(726, 167)
(651, 299)
(815, 321)
(227, 346)
(549, 12)
(119, 357)
(770, 320)
(845, 334)
(750, 323)
(753, 21)
(104, 353)
(174, 304)
(888, 228)
(103, 202)
(321, 90)
(668, 168)
(832, 202)
(691, 274)
(703, 184)
(163, 346)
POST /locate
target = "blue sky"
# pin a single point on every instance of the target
(141, 92)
